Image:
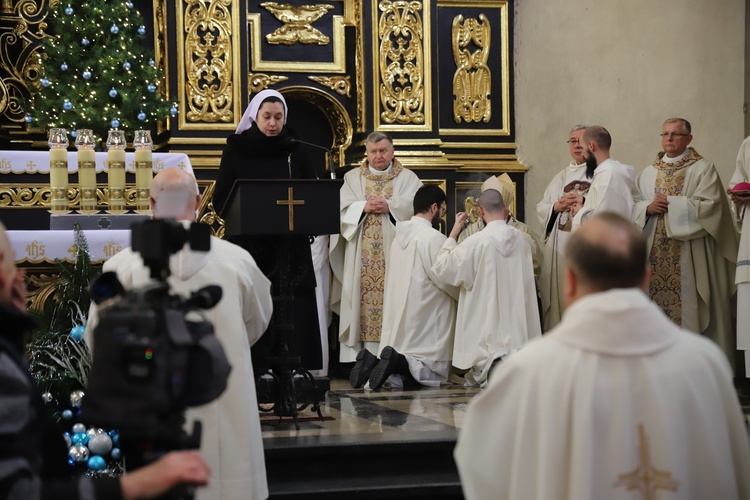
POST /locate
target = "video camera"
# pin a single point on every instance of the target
(155, 355)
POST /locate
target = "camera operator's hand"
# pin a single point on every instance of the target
(177, 467)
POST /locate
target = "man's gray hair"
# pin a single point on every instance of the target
(685, 123)
(578, 127)
(379, 136)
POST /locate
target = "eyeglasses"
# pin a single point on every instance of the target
(672, 134)
(573, 141)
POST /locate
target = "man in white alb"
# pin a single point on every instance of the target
(497, 308)
(231, 441)
(419, 310)
(616, 402)
(373, 198)
(740, 213)
(612, 182)
(682, 207)
(553, 211)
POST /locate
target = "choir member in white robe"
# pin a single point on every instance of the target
(373, 198)
(740, 210)
(612, 182)
(419, 310)
(614, 403)
(231, 441)
(682, 207)
(553, 211)
(504, 184)
(497, 307)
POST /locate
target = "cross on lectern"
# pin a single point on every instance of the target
(290, 202)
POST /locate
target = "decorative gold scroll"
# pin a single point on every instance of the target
(472, 81)
(402, 56)
(297, 23)
(259, 81)
(341, 84)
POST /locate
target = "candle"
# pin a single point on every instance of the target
(85, 142)
(116, 170)
(58, 170)
(143, 168)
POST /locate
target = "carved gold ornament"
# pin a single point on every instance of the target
(208, 61)
(472, 82)
(340, 84)
(261, 81)
(297, 22)
(401, 59)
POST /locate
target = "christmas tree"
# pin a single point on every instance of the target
(98, 70)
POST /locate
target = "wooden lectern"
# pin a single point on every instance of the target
(286, 209)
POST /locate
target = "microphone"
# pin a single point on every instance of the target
(205, 298)
(330, 155)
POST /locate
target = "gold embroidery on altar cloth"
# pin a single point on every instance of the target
(372, 274)
(665, 287)
(646, 478)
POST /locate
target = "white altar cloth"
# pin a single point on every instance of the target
(38, 247)
(37, 162)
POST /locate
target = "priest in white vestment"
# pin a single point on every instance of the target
(419, 312)
(740, 213)
(683, 209)
(497, 307)
(614, 403)
(566, 188)
(504, 184)
(612, 182)
(231, 441)
(373, 198)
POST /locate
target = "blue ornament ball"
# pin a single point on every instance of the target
(141, 116)
(151, 87)
(114, 29)
(69, 10)
(141, 30)
(80, 438)
(46, 82)
(73, 133)
(113, 92)
(126, 66)
(77, 331)
(67, 414)
(86, 75)
(173, 111)
(85, 42)
(116, 454)
(129, 4)
(115, 437)
(97, 463)
(68, 441)
(64, 67)
(115, 123)
(151, 63)
(67, 105)
(28, 118)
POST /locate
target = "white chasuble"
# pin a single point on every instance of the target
(497, 308)
(742, 278)
(419, 312)
(615, 403)
(611, 190)
(698, 229)
(364, 236)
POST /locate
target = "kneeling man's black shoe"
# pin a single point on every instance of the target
(366, 361)
(388, 365)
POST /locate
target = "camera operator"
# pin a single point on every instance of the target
(231, 440)
(33, 457)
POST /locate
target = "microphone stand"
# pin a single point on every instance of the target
(330, 154)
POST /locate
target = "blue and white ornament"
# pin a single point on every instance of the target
(173, 110)
(126, 66)
(86, 75)
(114, 29)
(151, 87)
(97, 463)
(28, 118)
(129, 4)
(115, 123)
(85, 42)
(73, 133)
(116, 454)
(45, 82)
(141, 116)
(152, 63)
(113, 92)
(141, 30)
(77, 331)
(78, 453)
(69, 10)
(76, 398)
(67, 106)
(80, 438)
(64, 67)
(67, 414)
